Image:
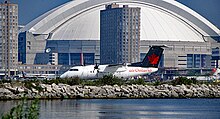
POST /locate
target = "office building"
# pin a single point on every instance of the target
(119, 34)
(8, 38)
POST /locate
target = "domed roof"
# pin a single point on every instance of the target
(160, 20)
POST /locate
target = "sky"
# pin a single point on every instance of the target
(31, 9)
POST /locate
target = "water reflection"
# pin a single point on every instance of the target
(127, 108)
(57, 109)
(5, 106)
(108, 109)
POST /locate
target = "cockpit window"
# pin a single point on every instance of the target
(73, 70)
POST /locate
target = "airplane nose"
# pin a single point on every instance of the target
(63, 75)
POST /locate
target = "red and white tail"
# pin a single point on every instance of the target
(216, 71)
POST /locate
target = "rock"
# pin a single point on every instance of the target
(20, 89)
(174, 94)
(187, 91)
(118, 94)
(33, 84)
(102, 92)
(125, 95)
(34, 90)
(95, 90)
(111, 96)
(107, 91)
(117, 89)
(189, 95)
(157, 94)
(48, 88)
(5, 91)
(13, 90)
(124, 90)
(204, 86)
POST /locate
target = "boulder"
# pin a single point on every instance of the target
(5, 91)
(174, 94)
(34, 90)
(124, 90)
(48, 88)
(102, 92)
(117, 89)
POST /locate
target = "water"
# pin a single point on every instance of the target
(126, 108)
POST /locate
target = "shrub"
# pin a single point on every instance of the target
(139, 81)
(30, 84)
(5, 81)
(183, 80)
(24, 110)
(69, 81)
(109, 80)
(89, 82)
(156, 83)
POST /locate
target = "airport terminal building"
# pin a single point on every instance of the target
(70, 35)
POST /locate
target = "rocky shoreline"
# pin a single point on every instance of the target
(61, 91)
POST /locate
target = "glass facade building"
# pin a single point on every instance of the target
(76, 58)
(196, 60)
(58, 52)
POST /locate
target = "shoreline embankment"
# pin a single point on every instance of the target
(64, 91)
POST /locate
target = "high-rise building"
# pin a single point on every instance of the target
(8, 37)
(119, 34)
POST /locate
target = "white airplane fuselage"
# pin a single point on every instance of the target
(125, 71)
(148, 65)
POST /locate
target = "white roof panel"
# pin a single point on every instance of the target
(160, 20)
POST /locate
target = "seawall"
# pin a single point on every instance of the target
(60, 91)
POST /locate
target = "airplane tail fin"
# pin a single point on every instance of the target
(215, 71)
(153, 57)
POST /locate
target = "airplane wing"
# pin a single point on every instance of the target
(116, 65)
(114, 68)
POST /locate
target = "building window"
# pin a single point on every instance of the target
(88, 58)
(196, 60)
(29, 47)
(63, 59)
(29, 42)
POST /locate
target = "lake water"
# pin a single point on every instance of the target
(125, 108)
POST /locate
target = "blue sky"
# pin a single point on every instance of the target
(31, 9)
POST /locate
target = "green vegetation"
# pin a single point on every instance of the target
(24, 110)
(110, 80)
(5, 81)
(156, 83)
(184, 80)
(139, 81)
(69, 81)
(32, 84)
(106, 80)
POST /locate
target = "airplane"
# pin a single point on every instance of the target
(126, 70)
(25, 75)
(216, 74)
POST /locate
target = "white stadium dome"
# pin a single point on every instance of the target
(162, 20)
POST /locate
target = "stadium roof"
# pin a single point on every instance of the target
(160, 20)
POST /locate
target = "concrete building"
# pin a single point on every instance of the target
(8, 38)
(119, 34)
(73, 29)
